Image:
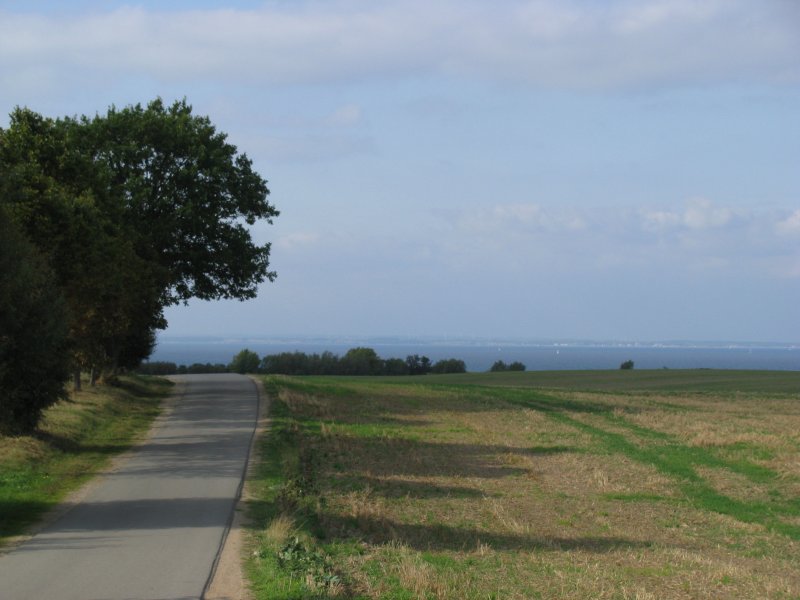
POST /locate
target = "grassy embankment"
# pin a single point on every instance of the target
(76, 439)
(643, 484)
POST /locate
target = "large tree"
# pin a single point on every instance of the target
(61, 198)
(187, 195)
(135, 210)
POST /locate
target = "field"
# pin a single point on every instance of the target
(75, 440)
(643, 484)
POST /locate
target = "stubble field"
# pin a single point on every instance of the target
(531, 485)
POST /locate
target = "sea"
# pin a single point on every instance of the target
(480, 354)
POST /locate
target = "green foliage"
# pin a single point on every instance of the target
(361, 361)
(133, 210)
(418, 365)
(357, 361)
(185, 192)
(246, 361)
(500, 366)
(198, 368)
(157, 368)
(34, 361)
(449, 365)
(627, 365)
(312, 563)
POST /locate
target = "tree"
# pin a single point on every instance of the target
(498, 365)
(627, 365)
(134, 210)
(418, 365)
(185, 192)
(246, 361)
(449, 365)
(361, 361)
(516, 366)
(34, 362)
(61, 199)
(395, 366)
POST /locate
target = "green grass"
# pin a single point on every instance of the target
(530, 485)
(661, 380)
(75, 440)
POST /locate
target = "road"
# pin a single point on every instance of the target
(152, 527)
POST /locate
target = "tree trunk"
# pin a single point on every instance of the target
(93, 377)
(76, 380)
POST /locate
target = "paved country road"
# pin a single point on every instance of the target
(151, 529)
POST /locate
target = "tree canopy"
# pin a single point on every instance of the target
(132, 211)
(33, 333)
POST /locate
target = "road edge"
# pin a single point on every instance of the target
(227, 580)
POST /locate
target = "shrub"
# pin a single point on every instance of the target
(627, 365)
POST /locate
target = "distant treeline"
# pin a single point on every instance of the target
(356, 361)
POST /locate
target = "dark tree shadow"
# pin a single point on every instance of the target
(444, 537)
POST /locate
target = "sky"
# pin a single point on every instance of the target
(528, 169)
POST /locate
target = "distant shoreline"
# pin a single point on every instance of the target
(479, 354)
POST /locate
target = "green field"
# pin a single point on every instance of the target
(607, 484)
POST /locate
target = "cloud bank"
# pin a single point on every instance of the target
(547, 43)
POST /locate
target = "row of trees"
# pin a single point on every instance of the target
(104, 222)
(500, 365)
(356, 361)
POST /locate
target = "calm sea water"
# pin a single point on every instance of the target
(479, 356)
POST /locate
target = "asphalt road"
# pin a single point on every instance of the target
(151, 529)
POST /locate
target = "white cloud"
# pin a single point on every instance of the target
(550, 43)
(299, 239)
(790, 225)
(345, 116)
(700, 213)
(518, 219)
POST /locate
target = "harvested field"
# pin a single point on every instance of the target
(428, 488)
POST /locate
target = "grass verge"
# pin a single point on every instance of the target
(75, 440)
(473, 487)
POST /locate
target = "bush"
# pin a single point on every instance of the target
(627, 365)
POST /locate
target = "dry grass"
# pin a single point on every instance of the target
(480, 493)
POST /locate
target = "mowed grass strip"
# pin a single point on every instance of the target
(76, 439)
(428, 488)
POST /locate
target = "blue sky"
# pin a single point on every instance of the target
(571, 169)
